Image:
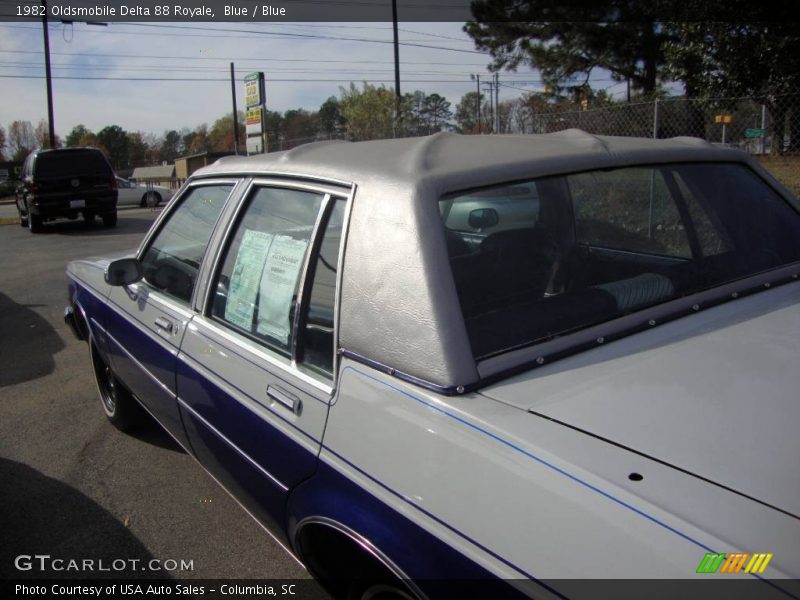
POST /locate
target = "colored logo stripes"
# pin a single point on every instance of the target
(734, 562)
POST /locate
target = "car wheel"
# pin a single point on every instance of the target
(151, 199)
(35, 223)
(118, 403)
(110, 220)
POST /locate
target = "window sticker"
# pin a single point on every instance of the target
(278, 284)
(244, 282)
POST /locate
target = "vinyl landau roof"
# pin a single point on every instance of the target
(446, 154)
(399, 308)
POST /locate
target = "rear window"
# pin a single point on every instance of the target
(71, 163)
(538, 259)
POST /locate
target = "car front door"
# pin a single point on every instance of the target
(255, 370)
(149, 318)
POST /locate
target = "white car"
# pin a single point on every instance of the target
(142, 194)
(477, 366)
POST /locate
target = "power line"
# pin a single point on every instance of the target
(257, 33)
(229, 58)
(181, 68)
(214, 79)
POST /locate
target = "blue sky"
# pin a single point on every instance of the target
(121, 52)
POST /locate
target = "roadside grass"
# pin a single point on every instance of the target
(785, 168)
(9, 220)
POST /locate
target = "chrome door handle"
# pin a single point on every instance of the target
(285, 399)
(164, 324)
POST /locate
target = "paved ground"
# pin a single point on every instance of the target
(71, 486)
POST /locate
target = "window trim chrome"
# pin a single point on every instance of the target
(203, 305)
(167, 213)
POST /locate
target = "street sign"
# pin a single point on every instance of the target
(254, 89)
(253, 120)
(723, 119)
(755, 133)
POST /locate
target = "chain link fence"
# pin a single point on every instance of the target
(756, 125)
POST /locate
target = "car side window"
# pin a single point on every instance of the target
(631, 209)
(172, 260)
(256, 287)
(318, 343)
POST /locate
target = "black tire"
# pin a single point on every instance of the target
(151, 200)
(110, 220)
(119, 405)
(35, 223)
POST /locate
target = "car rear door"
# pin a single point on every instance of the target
(255, 370)
(149, 318)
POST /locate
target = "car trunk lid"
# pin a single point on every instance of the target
(715, 394)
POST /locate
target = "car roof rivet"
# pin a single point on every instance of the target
(696, 307)
(540, 360)
(768, 284)
(460, 389)
(600, 340)
(735, 295)
(651, 322)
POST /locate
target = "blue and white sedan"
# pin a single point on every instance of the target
(433, 364)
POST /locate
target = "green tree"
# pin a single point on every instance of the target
(273, 126)
(756, 59)
(299, 127)
(115, 141)
(436, 113)
(137, 149)
(170, 146)
(2, 143)
(369, 112)
(197, 141)
(220, 136)
(618, 36)
(330, 121)
(74, 137)
(467, 114)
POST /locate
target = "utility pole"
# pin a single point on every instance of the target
(50, 124)
(396, 69)
(490, 87)
(235, 116)
(478, 100)
(497, 101)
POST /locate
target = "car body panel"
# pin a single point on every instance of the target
(435, 453)
(133, 194)
(223, 387)
(707, 393)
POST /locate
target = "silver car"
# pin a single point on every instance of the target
(141, 194)
(497, 365)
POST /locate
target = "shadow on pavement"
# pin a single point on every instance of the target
(81, 228)
(44, 516)
(27, 343)
(150, 432)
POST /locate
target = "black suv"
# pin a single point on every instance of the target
(66, 183)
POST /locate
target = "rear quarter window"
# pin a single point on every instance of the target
(581, 249)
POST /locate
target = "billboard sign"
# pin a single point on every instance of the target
(254, 89)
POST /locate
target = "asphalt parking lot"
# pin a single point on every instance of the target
(71, 485)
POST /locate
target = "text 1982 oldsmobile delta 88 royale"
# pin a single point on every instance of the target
(528, 359)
